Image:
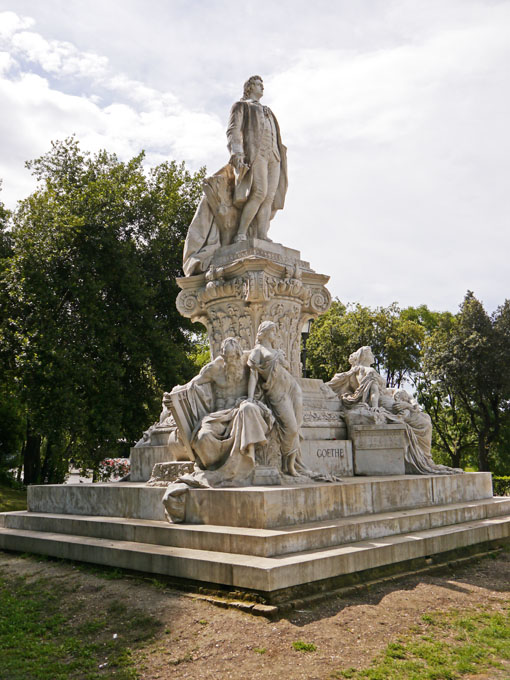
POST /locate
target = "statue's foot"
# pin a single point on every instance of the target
(291, 470)
(240, 237)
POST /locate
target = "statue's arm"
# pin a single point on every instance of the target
(252, 383)
(208, 373)
(235, 130)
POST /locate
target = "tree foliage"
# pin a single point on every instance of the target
(457, 364)
(395, 338)
(89, 315)
(467, 361)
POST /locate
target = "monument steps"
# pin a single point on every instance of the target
(263, 539)
(252, 572)
(259, 542)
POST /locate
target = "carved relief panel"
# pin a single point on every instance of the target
(233, 301)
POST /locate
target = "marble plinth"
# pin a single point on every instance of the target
(378, 450)
(328, 456)
(262, 539)
(143, 459)
(251, 282)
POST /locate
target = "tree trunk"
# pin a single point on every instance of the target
(483, 453)
(455, 456)
(46, 464)
(32, 460)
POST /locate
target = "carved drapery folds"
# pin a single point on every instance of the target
(232, 300)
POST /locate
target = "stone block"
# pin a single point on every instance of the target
(266, 475)
(328, 456)
(164, 473)
(404, 492)
(123, 499)
(378, 449)
(455, 488)
(144, 458)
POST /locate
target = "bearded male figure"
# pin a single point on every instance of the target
(259, 159)
(224, 439)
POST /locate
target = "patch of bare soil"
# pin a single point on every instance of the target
(199, 640)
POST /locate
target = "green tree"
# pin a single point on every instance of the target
(11, 414)
(467, 359)
(395, 339)
(93, 326)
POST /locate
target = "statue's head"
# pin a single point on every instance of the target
(402, 395)
(232, 353)
(362, 357)
(231, 349)
(252, 82)
(266, 329)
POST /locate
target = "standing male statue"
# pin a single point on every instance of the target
(259, 159)
(242, 197)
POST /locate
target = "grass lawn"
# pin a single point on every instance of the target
(49, 631)
(65, 620)
(12, 499)
(445, 646)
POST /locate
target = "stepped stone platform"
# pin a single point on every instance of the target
(262, 539)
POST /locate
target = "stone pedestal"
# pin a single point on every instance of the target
(328, 456)
(251, 282)
(322, 415)
(378, 449)
(165, 473)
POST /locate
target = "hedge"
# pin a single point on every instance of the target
(501, 486)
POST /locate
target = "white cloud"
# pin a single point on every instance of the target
(395, 115)
(10, 23)
(58, 57)
(125, 117)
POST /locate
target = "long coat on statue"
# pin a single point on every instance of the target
(244, 135)
(226, 193)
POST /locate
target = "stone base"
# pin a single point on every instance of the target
(322, 416)
(328, 456)
(265, 475)
(144, 458)
(378, 449)
(164, 473)
(262, 539)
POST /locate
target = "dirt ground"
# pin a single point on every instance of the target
(200, 640)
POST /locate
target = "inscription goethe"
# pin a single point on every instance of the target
(330, 453)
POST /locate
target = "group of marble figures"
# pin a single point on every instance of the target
(243, 401)
(244, 410)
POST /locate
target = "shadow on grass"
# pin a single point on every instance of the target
(59, 629)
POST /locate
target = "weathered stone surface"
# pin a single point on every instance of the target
(328, 456)
(266, 574)
(144, 458)
(163, 473)
(266, 475)
(232, 300)
(378, 449)
(264, 508)
(261, 542)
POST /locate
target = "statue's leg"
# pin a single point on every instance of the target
(373, 396)
(284, 413)
(264, 213)
(258, 193)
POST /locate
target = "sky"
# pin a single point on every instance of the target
(396, 115)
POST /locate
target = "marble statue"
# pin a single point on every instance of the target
(270, 368)
(260, 161)
(366, 400)
(242, 197)
(361, 383)
(164, 431)
(225, 423)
